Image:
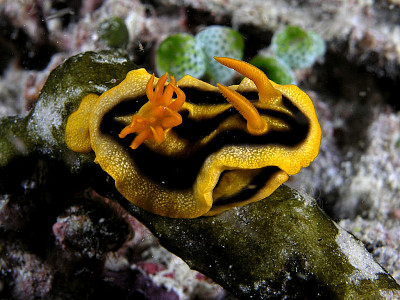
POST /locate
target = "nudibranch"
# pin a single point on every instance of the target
(187, 149)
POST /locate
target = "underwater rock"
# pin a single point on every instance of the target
(23, 275)
(89, 231)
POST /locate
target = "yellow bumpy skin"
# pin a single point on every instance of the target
(187, 149)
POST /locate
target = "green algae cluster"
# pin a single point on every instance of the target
(275, 68)
(183, 54)
(180, 54)
(220, 41)
(291, 48)
(113, 32)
